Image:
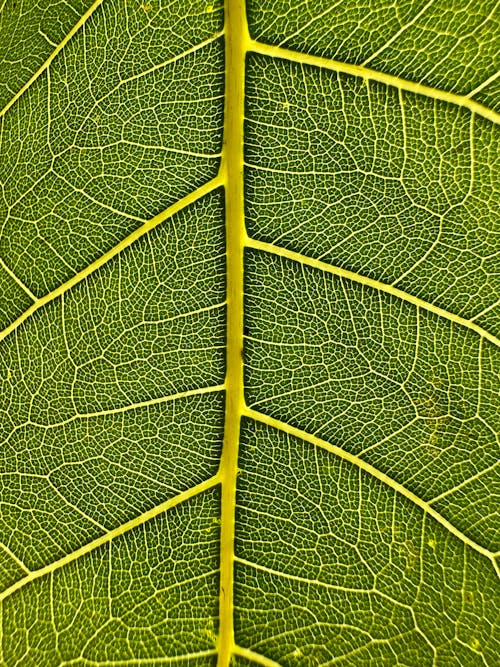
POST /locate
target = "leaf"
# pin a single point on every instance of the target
(249, 360)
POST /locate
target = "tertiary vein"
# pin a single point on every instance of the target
(20, 283)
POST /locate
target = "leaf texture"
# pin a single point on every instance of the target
(249, 352)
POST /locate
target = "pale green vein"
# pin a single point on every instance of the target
(101, 204)
(344, 589)
(74, 507)
(111, 535)
(371, 470)
(483, 85)
(389, 437)
(144, 73)
(465, 482)
(404, 637)
(171, 61)
(486, 310)
(373, 75)
(47, 39)
(125, 243)
(54, 53)
(375, 284)
(399, 32)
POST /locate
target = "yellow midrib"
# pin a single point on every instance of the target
(237, 41)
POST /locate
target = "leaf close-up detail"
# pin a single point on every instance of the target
(249, 333)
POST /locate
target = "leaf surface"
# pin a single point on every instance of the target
(249, 352)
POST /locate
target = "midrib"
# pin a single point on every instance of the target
(237, 42)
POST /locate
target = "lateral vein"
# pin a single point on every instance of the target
(304, 580)
(255, 657)
(111, 535)
(125, 243)
(54, 53)
(375, 284)
(371, 470)
(374, 75)
(132, 406)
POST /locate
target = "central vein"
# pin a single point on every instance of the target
(237, 41)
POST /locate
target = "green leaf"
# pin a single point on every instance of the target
(249, 356)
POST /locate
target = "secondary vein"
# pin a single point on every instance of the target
(91, 268)
(371, 470)
(111, 535)
(374, 75)
(375, 284)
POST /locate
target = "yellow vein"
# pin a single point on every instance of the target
(123, 82)
(136, 662)
(375, 284)
(17, 280)
(131, 406)
(371, 470)
(171, 61)
(486, 310)
(232, 168)
(54, 53)
(399, 32)
(254, 657)
(465, 482)
(95, 201)
(73, 506)
(483, 85)
(304, 580)
(373, 75)
(111, 535)
(12, 555)
(125, 243)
